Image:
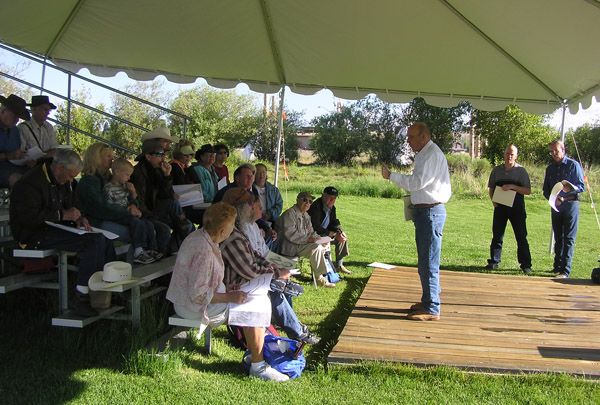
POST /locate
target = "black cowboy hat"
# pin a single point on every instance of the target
(17, 105)
(41, 100)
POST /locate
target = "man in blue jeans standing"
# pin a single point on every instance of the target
(567, 171)
(429, 185)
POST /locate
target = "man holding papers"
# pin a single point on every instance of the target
(45, 193)
(568, 172)
(508, 184)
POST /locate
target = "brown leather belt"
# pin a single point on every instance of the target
(426, 205)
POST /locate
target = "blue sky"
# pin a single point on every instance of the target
(312, 106)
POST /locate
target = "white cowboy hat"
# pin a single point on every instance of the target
(114, 274)
(160, 133)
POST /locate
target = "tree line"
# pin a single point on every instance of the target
(368, 128)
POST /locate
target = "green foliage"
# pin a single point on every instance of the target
(443, 122)
(527, 131)
(8, 86)
(265, 139)
(81, 118)
(340, 136)
(141, 114)
(151, 363)
(587, 138)
(216, 116)
(385, 140)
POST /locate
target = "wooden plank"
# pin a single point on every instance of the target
(489, 322)
(71, 320)
(21, 280)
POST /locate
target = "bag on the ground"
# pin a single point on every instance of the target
(332, 275)
(596, 275)
(283, 354)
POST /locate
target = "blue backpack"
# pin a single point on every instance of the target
(290, 361)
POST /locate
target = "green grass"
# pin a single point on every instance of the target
(107, 363)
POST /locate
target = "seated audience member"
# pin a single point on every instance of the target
(283, 314)
(12, 108)
(198, 291)
(154, 185)
(182, 156)
(243, 177)
(324, 221)
(121, 192)
(297, 238)
(45, 193)
(38, 132)
(269, 195)
(101, 213)
(164, 137)
(222, 153)
(204, 173)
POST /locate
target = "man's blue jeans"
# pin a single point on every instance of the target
(429, 226)
(564, 226)
(284, 316)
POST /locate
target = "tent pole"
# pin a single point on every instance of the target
(279, 134)
(43, 75)
(562, 124)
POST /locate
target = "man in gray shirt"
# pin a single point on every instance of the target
(510, 176)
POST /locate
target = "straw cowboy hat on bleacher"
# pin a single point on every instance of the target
(114, 274)
(160, 133)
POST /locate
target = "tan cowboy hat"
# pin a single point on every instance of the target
(160, 133)
(114, 274)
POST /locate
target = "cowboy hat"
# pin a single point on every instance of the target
(41, 100)
(114, 274)
(160, 133)
(17, 105)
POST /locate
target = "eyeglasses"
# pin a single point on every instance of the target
(307, 200)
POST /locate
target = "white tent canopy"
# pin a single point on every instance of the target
(533, 53)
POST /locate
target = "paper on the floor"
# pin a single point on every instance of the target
(381, 265)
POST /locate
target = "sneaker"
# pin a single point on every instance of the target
(491, 266)
(342, 269)
(81, 305)
(268, 373)
(323, 282)
(561, 275)
(526, 270)
(156, 254)
(307, 337)
(422, 315)
(144, 258)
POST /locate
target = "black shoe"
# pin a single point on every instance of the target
(491, 266)
(81, 305)
(526, 270)
(307, 337)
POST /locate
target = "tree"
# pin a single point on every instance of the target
(216, 116)
(385, 138)
(587, 138)
(340, 136)
(8, 86)
(443, 122)
(528, 132)
(265, 139)
(81, 118)
(139, 113)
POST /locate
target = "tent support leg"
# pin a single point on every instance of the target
(279, 134)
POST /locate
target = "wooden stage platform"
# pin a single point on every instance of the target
(491, 323)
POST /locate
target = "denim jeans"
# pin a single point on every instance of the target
(429, 225)
(517, 217)
(564, 226)
(93, 249)
(284, 316)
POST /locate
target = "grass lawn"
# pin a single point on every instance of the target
(103, 363)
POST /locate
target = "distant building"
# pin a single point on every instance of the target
(304, 135)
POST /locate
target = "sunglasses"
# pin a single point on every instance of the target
(307, 200)
(158, 154)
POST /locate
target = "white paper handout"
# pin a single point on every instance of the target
(281, 261)
(222, 183)
(81, 231)
(256, 311)
(33, 153)
(558, 187)
(381, 265)
(189, 194)
(504, 197)
(323, 239)
(408, 208)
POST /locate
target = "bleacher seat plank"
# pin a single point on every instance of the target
(21, 280)
(72, 320)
